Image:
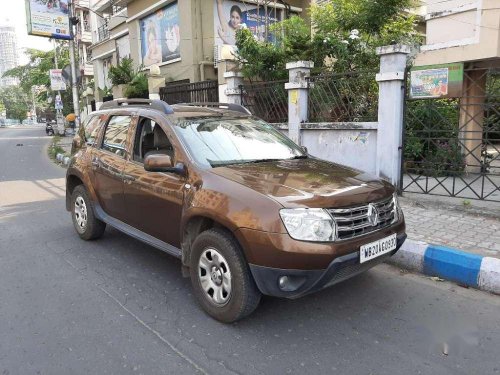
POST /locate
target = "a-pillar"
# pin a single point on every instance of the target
(298, 93)
(390, 111)
(472, 118)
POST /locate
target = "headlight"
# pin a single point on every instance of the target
(398, 213)
(308, 224)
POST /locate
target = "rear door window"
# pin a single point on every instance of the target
(115, 137)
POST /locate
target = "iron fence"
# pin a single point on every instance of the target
(205, 91)
(343, 97)
(267, 100)
(452, 146)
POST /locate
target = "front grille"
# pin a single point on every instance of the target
(354, 222)
(351, 270)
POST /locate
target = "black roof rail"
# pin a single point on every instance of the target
(230, 106)
(159, 105)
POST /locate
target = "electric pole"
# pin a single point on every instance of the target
(74, 82)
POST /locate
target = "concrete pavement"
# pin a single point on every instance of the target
(118, 306)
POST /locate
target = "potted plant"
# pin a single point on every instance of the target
(138, 87)
(120, 76)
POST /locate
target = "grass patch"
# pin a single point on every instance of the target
(55, 148)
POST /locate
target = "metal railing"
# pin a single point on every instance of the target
(102, 32)
(267, 100)
(343, 97)
(204, 91)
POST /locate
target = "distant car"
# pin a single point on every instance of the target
(246, 210)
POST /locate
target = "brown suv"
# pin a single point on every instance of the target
(246, 210)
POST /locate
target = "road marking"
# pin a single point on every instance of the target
(145, 325)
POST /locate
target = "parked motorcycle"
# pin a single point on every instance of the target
(49, 130)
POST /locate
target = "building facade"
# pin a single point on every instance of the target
(183, 40)
(9, 57)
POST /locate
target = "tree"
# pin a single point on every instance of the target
(343, 36)
(15, 102)
(36, 73)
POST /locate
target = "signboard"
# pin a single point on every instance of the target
(49, 18)
(436, 81)
(229, 16)
(58, 102)
(57, 82)
(160, 36)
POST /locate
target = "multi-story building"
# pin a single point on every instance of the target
(9, 57)
(184, 39)
(84, 39)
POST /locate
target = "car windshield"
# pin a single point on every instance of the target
(219, 141)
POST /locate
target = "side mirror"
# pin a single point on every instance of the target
(163, 163)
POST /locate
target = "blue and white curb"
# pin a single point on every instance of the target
(63, 159)
(450, 264)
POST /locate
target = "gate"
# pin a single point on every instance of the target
(205, 91)
(451, 146)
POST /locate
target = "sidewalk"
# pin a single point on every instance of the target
(470, 232)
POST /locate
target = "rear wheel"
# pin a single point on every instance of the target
(221, 279)
(86, 224)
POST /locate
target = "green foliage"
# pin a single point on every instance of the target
(138, 87)
(36, 74)
(15, 102)
(431, 141)
(123, 73)
(344, 38)
(260, 60)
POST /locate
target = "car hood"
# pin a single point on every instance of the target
(308, 182)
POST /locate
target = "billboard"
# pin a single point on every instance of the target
(436, 81)
(160, 36)
(57, 82)
(229, 16)
(49, 18)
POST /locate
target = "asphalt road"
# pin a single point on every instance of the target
(117, 306)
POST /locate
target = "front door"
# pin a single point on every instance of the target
(108, 162)
(153, 200)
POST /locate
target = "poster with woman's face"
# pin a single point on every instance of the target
(160, 36)
(233, 15)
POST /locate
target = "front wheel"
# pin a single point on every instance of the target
(222, 282)
(86, 224)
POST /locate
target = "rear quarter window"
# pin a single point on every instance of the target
(91, 129)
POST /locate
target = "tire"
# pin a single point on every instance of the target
(86, 224)
(243, 296)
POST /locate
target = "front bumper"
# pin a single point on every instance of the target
(302, 282)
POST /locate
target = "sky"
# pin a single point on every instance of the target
(16, 16)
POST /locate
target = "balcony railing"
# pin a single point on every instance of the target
(102, 32)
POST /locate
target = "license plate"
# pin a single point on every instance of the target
(375, 249)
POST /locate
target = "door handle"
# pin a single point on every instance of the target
(95, 162)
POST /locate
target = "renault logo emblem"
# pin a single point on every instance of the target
(372, 214)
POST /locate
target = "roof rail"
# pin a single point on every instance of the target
(159, 105)
(230, 106)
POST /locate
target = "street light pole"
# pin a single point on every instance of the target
(74, 82)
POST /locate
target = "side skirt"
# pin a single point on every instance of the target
(131, 231)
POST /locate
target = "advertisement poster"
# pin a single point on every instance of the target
(233, 15)
(48, 18)
(160, 36)
(57, 82)
(436, 81)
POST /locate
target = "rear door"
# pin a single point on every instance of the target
(153, 200)
(108, 162)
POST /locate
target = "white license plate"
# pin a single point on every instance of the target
(375, 249)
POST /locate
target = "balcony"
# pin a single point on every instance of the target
(102, 32)
(85, 4)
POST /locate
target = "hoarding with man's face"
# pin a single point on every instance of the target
(160, 36)
(49, 18)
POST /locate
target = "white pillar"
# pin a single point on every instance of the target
(298, 92)
(233, 91)
(390, 111)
